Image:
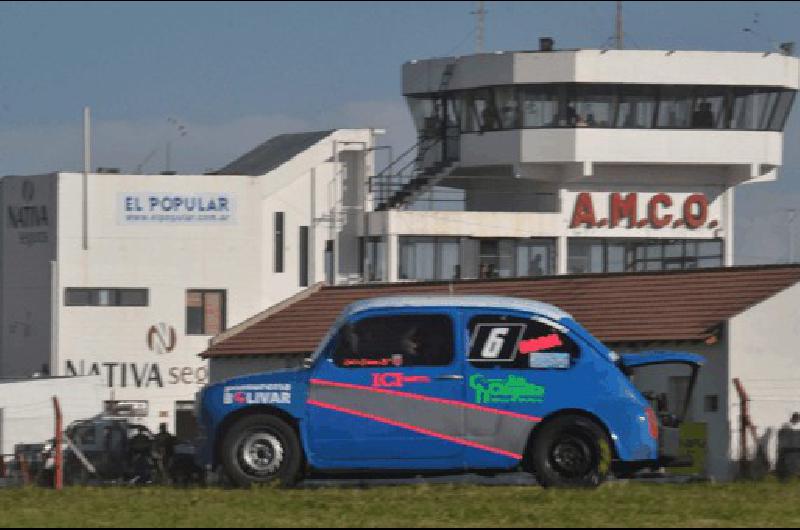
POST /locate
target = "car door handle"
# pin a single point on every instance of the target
(450, 377)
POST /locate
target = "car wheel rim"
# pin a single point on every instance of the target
(571, 457)
(260, 454)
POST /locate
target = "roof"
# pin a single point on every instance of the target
(615, 308)
(505, 302)
(273, 153)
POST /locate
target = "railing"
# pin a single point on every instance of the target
(405, 175)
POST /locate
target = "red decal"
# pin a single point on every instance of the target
(623, 209)
(656, 220)
(416, 429)
(336, 384)
(584, 211)
(713, 224)
(695, 210)
(540, 343)
(397, 379)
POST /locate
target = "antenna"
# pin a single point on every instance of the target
(480, 25)
(619, 35)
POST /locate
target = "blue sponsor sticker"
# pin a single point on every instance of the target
(559, 361)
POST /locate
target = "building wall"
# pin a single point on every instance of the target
(27, 407)
(29, 244)
(167, 258)
(765, 357)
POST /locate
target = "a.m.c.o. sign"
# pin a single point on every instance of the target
(639, 211)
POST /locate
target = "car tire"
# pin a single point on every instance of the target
(262, 449)
(570, 452)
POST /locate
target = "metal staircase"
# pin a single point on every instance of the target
(407, 177)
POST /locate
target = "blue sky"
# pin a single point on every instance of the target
(233, 74)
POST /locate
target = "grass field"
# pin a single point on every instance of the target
(615, 504)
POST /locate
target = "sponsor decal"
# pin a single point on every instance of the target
(495, 342)
(397, 379)
(369, 362)
(170, 208)
(559, 361)
(257, 394)
(540, 343)
(661, 211)
(512, 389)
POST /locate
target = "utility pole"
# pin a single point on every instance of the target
(480, 21)
(619, 36)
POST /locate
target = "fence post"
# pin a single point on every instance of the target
(58, 459)
(744, 421)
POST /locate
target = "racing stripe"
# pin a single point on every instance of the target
(504, 432)
(387, 421)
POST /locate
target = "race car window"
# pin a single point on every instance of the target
(519, 343)
(399, 340)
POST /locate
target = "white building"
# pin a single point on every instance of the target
(128, 276)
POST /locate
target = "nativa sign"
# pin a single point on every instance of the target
(175, 208)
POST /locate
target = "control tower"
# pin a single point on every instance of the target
(575, 161)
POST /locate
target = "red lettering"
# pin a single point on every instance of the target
(584, 211)
(656, 221)
(623, 209)
(695, 210)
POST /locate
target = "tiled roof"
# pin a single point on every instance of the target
(616, 308)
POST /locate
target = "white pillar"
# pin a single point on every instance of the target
(727, 205)
(392, 257)
(561, 255)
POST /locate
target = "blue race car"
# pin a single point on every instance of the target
(439, 385)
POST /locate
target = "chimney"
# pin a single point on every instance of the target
(546, 44)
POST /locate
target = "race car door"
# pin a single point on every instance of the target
(390, 392)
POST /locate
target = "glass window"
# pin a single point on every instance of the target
(709, 108)
(105, 297)
(279, 241)
(374, 259)
(302, 246)
(591, 106)
(637, 107)
(398, 340)
(508, 107)
(448, 259)
(535, 257)
(782, 109)
(675, 107)
(539, 106)
(77, 297)
(485, 110)
(623, 255)
(132, 297)
(430, 258)
(205, 312)
(519, 343)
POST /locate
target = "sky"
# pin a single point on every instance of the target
(215, 79)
